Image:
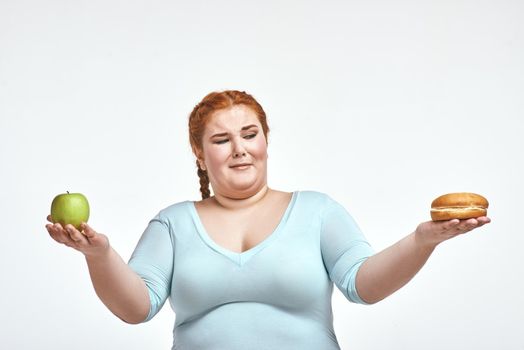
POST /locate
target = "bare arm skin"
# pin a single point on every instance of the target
(116, 284)
(387, 271)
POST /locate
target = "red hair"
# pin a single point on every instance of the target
(204, 110)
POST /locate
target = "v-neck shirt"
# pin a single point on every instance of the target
(275, 295)
(242, 257)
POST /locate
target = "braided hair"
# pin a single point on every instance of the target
(204, 182)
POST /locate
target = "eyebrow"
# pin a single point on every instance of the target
(243, 128)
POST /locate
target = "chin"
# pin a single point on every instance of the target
(244, 189)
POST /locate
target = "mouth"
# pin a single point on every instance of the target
(241, 166)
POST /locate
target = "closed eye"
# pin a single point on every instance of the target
(248, 137)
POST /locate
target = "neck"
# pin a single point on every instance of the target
(241, 203)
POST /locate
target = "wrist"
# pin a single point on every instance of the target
(98, 256)
(422, 242)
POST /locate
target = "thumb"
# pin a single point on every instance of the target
(87, 230)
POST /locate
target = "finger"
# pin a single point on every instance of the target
(58, 233)
(50, 230)
(49, 218)
(88, 231)
(477, 222)
(75, 235)
(54, 229)
(483, 220)
(449, 225)
(468, 225)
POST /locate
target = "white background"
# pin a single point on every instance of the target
(384, 105)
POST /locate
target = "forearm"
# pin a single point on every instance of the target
(387, 271)
(119, 287)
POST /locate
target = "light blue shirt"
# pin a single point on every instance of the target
(276, 295)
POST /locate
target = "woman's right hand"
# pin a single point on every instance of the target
(86, 241)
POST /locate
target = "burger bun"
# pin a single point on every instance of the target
(460, 205)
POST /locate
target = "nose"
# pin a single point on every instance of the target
(239, 154)
(238, 149)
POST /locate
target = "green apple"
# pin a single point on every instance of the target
(70, 208)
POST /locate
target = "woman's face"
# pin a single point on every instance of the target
(232, 137)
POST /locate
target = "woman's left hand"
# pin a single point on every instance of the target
(431, 233)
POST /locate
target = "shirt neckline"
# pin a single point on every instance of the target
(241, 258)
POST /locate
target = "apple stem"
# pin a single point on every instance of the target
(67, 192)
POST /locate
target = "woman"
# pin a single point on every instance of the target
(250, 267)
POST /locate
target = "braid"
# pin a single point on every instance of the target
(204, 182)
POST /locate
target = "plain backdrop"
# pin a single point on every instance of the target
(383, 105)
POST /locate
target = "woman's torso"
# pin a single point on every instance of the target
(274, 295)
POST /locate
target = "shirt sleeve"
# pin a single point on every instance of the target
(152, 260)
(344, 249)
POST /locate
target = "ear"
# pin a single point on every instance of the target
(200, 159)
(202, 164)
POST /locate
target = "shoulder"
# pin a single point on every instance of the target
(178, 210)
(316, 198)
(178, 206)
(315, 206)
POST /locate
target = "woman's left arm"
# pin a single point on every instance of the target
(387, 271)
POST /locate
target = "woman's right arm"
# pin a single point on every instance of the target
(121, 289)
